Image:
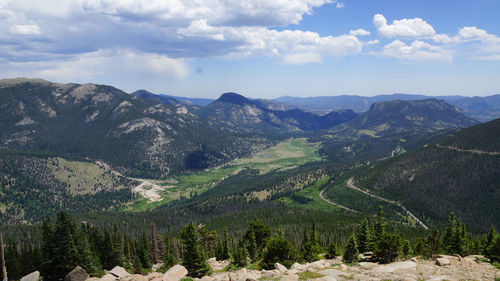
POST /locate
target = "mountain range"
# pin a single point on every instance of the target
(81, 147)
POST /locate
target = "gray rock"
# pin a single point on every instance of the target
(136, 277)
(289, 278)
(281, 268)
(77, 274)
(33, 276)
(175, 273)
(119, 272)
(331, 272)
(389, 268)
(298, 266)
(443, 261)
(108, 277)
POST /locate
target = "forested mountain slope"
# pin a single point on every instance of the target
(449, 175)
(137, 136)
(235, 113)
(389, 128)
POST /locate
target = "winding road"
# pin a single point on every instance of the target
(352, 186)
(475, 151)
(333, 203)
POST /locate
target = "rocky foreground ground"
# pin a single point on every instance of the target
(451, 268)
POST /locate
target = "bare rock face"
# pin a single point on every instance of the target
(175, 273)
(281, 268)
(108, 277)
(392, 267)
(77, 274)
(34, 276)
(119, 272)
(443, 261)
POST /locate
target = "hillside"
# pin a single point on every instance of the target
(449, 175)
(234, 113)
(141, 137)
(479, 108)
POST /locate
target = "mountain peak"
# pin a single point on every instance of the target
(231, 97)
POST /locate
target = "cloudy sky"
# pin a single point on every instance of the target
(259, 48)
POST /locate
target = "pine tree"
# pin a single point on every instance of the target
(225, 247)
(155, 252)
(380, 224)
(450, 234)
(406, 249)
(142, 251)
(240, 257)
(117, 258)
(494, 249)
(332, 251)
(252, 246)
(65, 255)
(365, 239)
(89, 260)
(351, 251)
(490, 237)
(433, 243)
(193, 258)
(389, 248)
(279, 250)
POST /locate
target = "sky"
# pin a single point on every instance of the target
(258, 48)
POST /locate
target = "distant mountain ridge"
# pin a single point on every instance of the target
(480, 108)
(235, 112)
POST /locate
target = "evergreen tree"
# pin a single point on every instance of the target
(449, 235)
(365, 239)
(260, 230)
(117, 258)
(155, 251)
(433, 243)
(279, 250)
(106, 251)
(142, 251)
(193, 258)
(89, 260)
(389, 248)
(252, 246)
(240, 257)
(490, 237)
(225, 247)
(65, 256)
(380, 224)
(332, 251)
(351, 251)
(494, 249)
(406, 249)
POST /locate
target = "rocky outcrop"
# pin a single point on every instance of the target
(34, 276)
(175, 273)
(467, 268)
(77, 274)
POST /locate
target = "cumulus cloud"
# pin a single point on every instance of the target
(25, 29)
(340, 5)
(128, 63)
(404, 28)
(359, 32)
(417, 51)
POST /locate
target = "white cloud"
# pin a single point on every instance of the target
(302, 58)
(359, 32)
(404, 28)
(340, 5)
(25, 29)
(372, 42)
(126, 63)
(417, 51)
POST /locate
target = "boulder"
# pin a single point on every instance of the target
(269, 274)
(289, 278)
(136, 277)
(77, 274)
(343, 267)
(108, 277)
(441, 278)
(239, 275)
(316, 265)
(391, 267)
(33, 276)
(119, 272)
(326, 278)
(443, 261)
(367, 265)
(297, 266)
(157, 266)
(331, 272)
(281, 268)
(175, 273)
(154, 275)
(292, 272)
(207, 278)
(93, 279)
(223, 276)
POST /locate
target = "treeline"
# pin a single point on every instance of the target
(64, 245)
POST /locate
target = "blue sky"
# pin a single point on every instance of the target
(259, 48)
